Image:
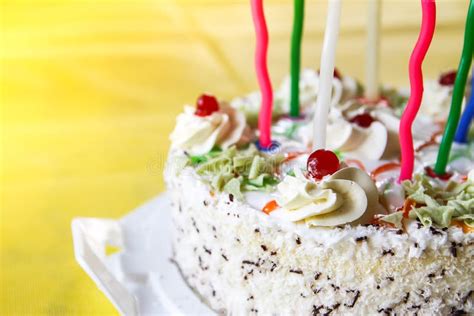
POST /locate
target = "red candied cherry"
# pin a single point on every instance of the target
(206, 104)
(431, 173)
(447, 78)
(363, 120)
(322, 163)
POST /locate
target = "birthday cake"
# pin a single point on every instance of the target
(288, 230)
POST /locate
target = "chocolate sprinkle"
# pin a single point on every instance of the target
(390, 279)
(354, 301)
(296, 271)
(257, 230)
(454, 250)
(264, 247)
(273, 253)
(298, 240)
(465, 298)
(359, 239)
(435, 231)
(317, 275)
(415, 307)
(250, 263)
(386, 311)
(207, 250)
(457, 312)
(316, 309)
(224, 256)
(407, 296)
(273, 267)
(316, 291)
(388, 252)
(231, 197)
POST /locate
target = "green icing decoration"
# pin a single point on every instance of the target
(440, 205)
(258, 164)
(195, 160)
(394, 218)
(233, 187)
(234, 171)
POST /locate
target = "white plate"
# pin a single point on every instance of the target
(140, 279)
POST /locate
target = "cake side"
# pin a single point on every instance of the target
(244, 261)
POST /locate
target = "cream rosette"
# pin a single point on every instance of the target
(199, 134)
(437, 99)
(342, 89)
(378, 141)
(349, 196)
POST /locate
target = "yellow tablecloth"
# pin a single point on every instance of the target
(89, 92)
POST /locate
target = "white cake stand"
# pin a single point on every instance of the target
(138, 278)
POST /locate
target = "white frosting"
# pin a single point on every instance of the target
(330, 202)
(199, 134)
(436, 99)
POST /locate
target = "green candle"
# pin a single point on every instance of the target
(298, 18)
(458, 94)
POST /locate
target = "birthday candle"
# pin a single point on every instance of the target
(373, 48)
(265, 116)
(298, 18)
(428, 23)
(458, 94)
(328, 58)
(467, 117)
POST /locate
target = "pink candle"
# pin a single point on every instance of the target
(416, 88)
(265, 116)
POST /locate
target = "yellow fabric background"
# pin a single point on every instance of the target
(89, 92)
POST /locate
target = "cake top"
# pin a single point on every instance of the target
(353, 181)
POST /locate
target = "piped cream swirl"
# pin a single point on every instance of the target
(379, 140)
(348, 196)
(199, 134)
(437, 99)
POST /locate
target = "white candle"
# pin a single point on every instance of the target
(373, 48)
(328, 58)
